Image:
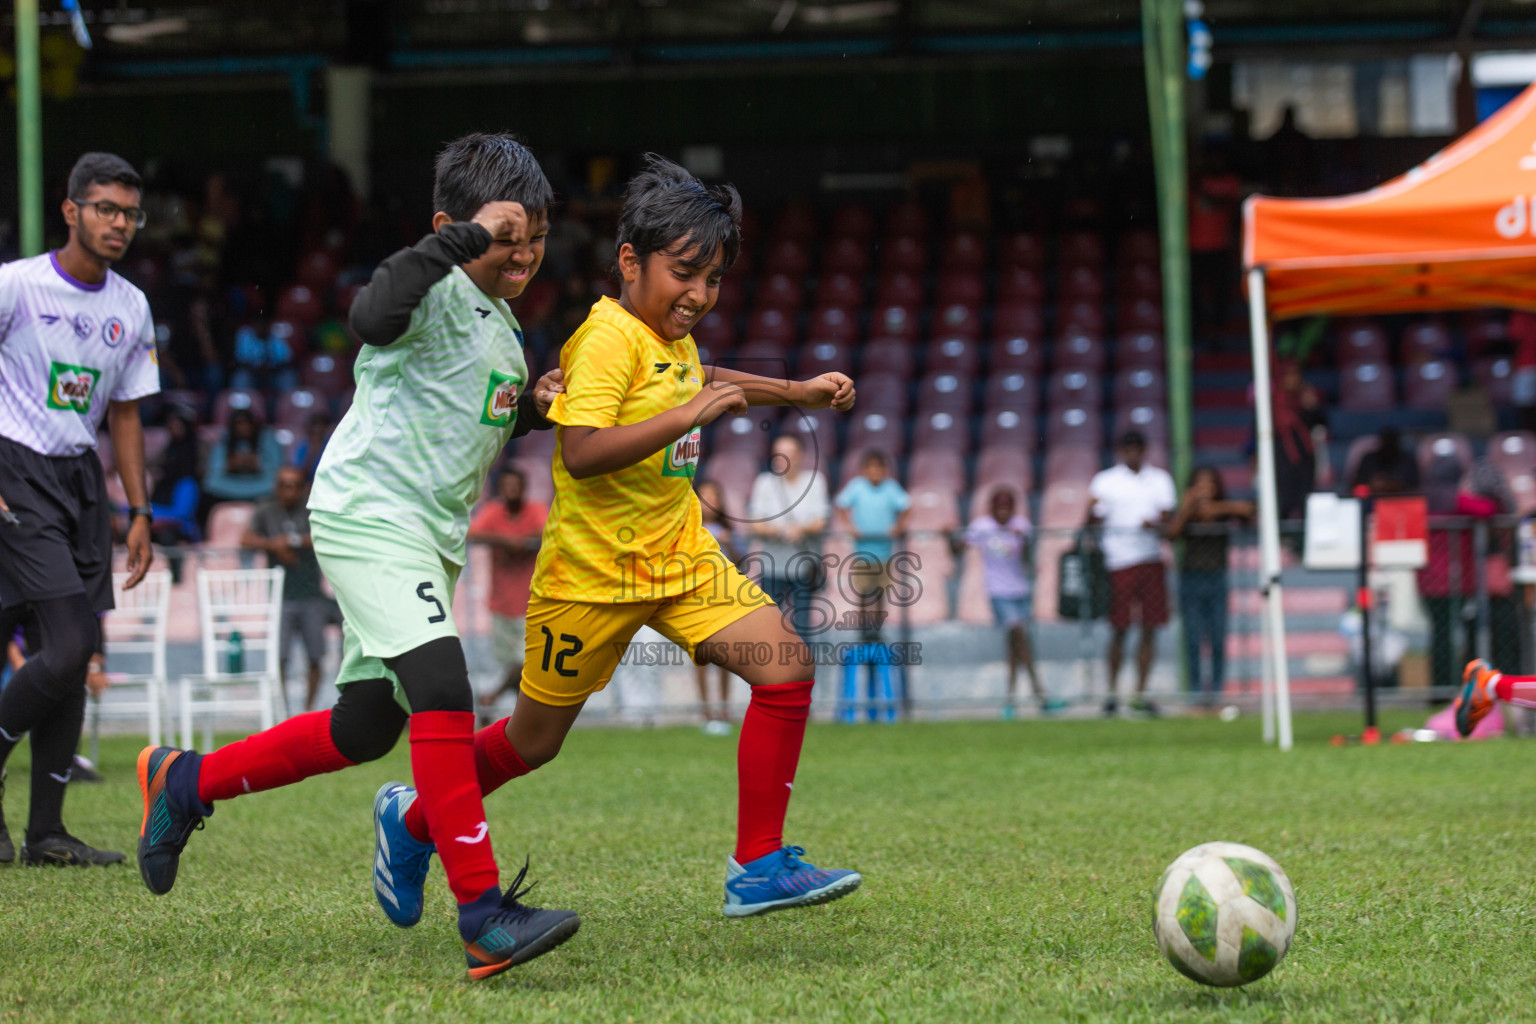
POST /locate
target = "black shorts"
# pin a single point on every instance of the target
(64, 543)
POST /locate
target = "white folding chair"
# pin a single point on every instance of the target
(135, 637)
(248, 602)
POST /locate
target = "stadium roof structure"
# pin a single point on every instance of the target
(1458, 231)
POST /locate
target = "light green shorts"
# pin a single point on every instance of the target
(394, 588)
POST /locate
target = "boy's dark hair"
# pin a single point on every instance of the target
(512, 469)
(482, 168)
(101, 169)
(668, 210)
(874, 458)
(1214, 474)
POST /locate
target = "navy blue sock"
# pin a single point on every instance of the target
(473, 914)
(181, 784)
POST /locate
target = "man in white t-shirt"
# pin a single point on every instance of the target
(1132, 500)
(786, 513)
(77, 346)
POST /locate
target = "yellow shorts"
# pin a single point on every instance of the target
(574, 646)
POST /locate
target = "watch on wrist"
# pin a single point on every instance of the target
(141, 510)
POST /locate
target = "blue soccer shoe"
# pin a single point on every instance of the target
(400, 860)
(782, 880)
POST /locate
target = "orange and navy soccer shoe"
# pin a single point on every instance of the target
(516, 933)
(166, 826)
(1477, 697)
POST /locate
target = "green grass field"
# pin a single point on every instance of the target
(1008, 869)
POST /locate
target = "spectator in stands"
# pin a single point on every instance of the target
(1387, 469)
(280, 527)
(1132, 500)
(1214, 197)
(511, 526)
(242, 465)
(1298, 411)
(717, 718)
(317, 432)
(176, 492)
(1003, 538)
(788, 510)
(1204, 520)
(264, 357)
(875, 508)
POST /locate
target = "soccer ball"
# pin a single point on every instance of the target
(1224, 914)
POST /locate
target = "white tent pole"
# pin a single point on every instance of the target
(1269, 507)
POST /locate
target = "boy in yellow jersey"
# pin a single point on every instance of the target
(624, 545)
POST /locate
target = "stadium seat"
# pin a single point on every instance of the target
(771, 325)
(964, 250)
(1009, 428)
(962, 286)
(1443, 460)
(1078, 349)
(1015, 318)
(294, 335)
(904, 252)
(1367, 387)
(1014, 390)
(318, 270)
(1140, 387)
(1074, 386)
(886, 356)
(840, 290)
(1140, 281)
(943, 428)
(833, 323)
(873, 431)
(1087, 317)
(788, 256)
(1074, 424)
(1357, 450)
(817, 430)
(156, 441)
(891, 321)
(735, 472)
(845, 255)
(299, 303)
(796, 220)
(1071, 462)
(1140, 350)
(882, 390)
(294, 408)
(1362, 341)
(1428, 339)
(780, 291)
(186, 400)
(1001, 466)
(732, 294)
(935, 469)
(899, 288)
(717, 330)
(1081, 283)
(328, 374)
(1141, 315)
(945, 392)
(239, 398)
(1514, 452)
(1020, 284)
(537, 471)
(954, 355)
(227, 522)
(346, 295)
(907, 218)
(853, 221)
(1496, 376)
(1081, 248)
(749, 433)
(1016, 353)
(1485, 330)
(1021, 250)
(957, 320)
(825, 356)
(934, 510)
(1150, 420)
(1428, 384)
(764, 358)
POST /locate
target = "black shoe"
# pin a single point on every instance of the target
(166, 827)
(516, 933)
(1111, 708)
(83, 771)
(7, 851)
(61, 848)
(1142, 706)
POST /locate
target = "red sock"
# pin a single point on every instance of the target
(443, 765)
(496, 764)
(766, 758)
(280, 756)
(1520, 690)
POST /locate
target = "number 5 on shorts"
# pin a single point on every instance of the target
(573, 646)
(425, 593)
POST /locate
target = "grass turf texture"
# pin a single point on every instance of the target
(1008, 874)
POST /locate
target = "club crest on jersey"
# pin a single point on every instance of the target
(70, 387)
(500, 404)
(112, 332)
(83, 325)
(682, 455)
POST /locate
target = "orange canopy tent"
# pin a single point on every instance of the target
(1457, 231)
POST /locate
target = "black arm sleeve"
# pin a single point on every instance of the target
(382, 310)
(528, 416)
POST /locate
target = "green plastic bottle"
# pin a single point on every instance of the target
(236, 653)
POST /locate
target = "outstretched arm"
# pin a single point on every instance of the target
(593, 451)
(829, 389)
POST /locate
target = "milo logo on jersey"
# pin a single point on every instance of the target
(70, 387)
(500, 404)
(682, 455)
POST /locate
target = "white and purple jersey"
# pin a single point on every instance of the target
(66, 349)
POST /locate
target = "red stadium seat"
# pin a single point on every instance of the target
(294, 408)
(239, 398)
(1427, 385)
(824, 356)
(732, 294)
(1082, 248)
(764, 358)
(299, 303)
(1022, 250)
(1484, 330)
(957, 321)
(1082, 283)
(788, 256)
(796, 220)
(294, 335)
(1007, 428)
(1443, 457)
(716, 330)
(1428, 339)
(907, 218)
(1150, 420)
(892, 321)
(1074, 425)
(1515, 455)
(833, 323)
(1367, 387)
(734, 472)
(346, 296)
(873, 431)
(843, 290)
(853, 221)
(1074, 387)
(1071, 462)
(899, 288)
(954, 355)
(942, 428)
(781, 292)
(1496, 376)
(887, 356)
(817, 430)
(998, 467)
(935, 469)
(962, 286)
(1138, 247)
(1087, 317)
(883, 391)
(318, 270)
(749, 434)
(1140, 281)
(1361, 341)
(1014, 318)
(846, 256)
(1080, 350)
(1018, 353)
(1017, 391)
(904, 253)
(935, 511)
(1139, 315)
(964, 250)
(1140, 387)
(945, 392)
(1140, 350)
(328, 374)
(771, 325)
(1020, 283)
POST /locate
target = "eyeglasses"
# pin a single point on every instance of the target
(108, 211)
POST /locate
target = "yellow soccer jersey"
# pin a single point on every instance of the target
(624, 536)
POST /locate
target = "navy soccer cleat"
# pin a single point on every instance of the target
(516, 933)
(166, 826)
(400, 860)
(782, 880)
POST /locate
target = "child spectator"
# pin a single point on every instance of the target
(874, 507)
(243, 463)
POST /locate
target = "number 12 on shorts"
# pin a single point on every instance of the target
(572, 646)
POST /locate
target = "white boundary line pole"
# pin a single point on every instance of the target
(1269, 510)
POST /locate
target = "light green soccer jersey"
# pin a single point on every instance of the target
(432, 411)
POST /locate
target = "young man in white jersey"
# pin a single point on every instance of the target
(441, 386)
(77, 346)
